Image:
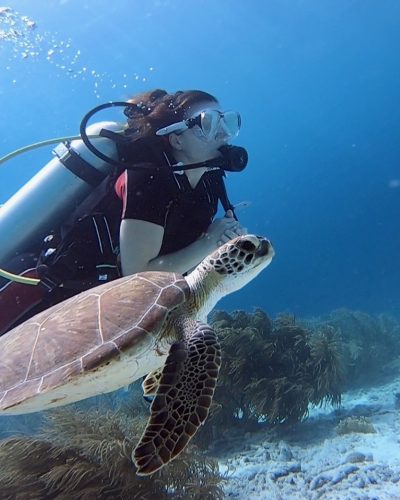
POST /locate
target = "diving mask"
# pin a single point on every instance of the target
(210, 123)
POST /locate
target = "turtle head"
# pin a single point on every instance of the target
(240, 260)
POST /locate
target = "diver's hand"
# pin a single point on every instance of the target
(224, 229)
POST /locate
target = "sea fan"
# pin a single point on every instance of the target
(326, 366)
(273, 370)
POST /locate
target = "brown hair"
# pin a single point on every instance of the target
(154, 110)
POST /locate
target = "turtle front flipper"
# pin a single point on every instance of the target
(183, 398)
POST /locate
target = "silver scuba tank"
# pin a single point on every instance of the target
(56, 191)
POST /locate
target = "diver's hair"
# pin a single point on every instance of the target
(154, 110)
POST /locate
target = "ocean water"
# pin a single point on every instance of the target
(317, 84)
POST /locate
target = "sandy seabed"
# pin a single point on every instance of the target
(315, 461)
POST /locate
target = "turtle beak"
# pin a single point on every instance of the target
(265, 248)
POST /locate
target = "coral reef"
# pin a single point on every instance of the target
(369, 344)
(87, 455)
(273, 369)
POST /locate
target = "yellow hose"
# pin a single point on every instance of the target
(36, 145)
(47, 142)
(18, 278)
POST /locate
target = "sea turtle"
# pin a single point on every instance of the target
(149, 323)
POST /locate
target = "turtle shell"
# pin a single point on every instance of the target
(85, 332)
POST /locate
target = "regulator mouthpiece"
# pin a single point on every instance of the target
(235, 158)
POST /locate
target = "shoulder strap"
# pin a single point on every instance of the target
(223, 196)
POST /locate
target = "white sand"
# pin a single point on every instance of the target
(312, 461)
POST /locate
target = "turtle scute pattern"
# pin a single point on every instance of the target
(84, 332)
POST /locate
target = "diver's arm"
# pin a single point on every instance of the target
(140, 244)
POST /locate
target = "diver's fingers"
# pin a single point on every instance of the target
(231, 223)
(229, 234)
(224, 239)
(241, 230)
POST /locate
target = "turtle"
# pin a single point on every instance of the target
(151, 324)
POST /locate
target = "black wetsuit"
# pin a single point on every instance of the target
(168, 200)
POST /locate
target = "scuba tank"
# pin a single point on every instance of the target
(56, 190)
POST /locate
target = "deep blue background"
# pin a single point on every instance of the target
(317, 83)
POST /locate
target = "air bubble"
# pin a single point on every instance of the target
(24, 40)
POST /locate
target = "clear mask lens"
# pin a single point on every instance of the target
(231, 122)
(213, 122)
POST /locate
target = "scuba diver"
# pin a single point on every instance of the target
(121, 199)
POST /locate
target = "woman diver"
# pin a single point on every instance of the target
(158, 214)
(167, 222)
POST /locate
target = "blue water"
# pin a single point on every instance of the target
(317, 83)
